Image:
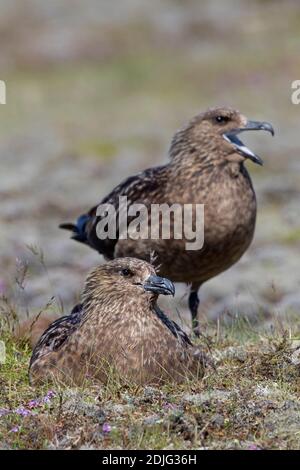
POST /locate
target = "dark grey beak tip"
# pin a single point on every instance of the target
(259, 126)
(159, 285)
(256, 159)
(266, 126)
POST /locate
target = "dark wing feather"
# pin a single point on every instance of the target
(57, 333)
(173, 327)
(138, 188)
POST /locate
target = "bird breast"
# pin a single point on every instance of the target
(229, 222)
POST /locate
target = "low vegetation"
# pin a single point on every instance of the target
(249, 399)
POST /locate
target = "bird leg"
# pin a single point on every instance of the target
(193, 306)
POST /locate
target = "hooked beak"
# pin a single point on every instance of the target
(231, 137)
(159, 285)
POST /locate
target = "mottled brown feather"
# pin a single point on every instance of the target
(118, 326)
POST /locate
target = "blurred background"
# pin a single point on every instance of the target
(95, 91)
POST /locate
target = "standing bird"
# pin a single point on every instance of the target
(117, 326)
(206, 167)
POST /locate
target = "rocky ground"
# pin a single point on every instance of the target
(94, 93)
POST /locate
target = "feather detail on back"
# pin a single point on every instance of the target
(57, 333)
(173, 327)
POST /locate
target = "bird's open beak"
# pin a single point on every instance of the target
(231, 137)
(159, 285)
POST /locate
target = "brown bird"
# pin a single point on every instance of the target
(118, 326)
(206, 167)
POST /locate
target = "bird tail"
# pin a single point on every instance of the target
(78, 229)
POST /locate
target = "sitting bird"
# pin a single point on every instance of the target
(206, 166)
(119, 327)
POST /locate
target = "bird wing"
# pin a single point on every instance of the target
(57, 333)
(138, 188)
(173, 327)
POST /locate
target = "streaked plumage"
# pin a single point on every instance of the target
(117, 326)
(206, 167)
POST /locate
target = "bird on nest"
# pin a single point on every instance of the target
(206, 166)
(118, 327)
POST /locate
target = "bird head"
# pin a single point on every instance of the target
(128, 277)
(213, 135)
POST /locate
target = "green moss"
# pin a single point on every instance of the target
(103, 149)
(292, 237)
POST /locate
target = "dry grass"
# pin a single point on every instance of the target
(250, 401)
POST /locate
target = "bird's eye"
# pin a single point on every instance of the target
(126, 272)
(222, 119)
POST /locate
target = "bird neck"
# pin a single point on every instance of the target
(198, 158)
(100, 305)
(189, 162)
(189, 166)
